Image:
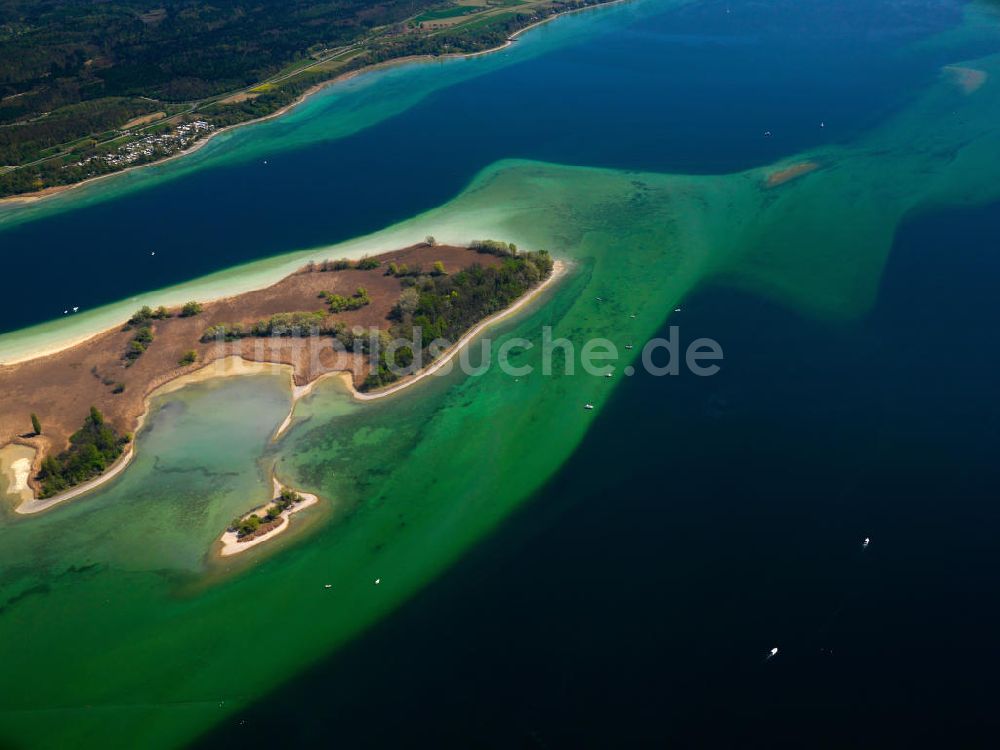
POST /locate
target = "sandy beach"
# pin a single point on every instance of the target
(231, 545)
(15, 468)
(33, 505)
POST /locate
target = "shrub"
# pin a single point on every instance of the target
(336, 265)
(191, 309)
(493, 247)
(138, 345)
(339, 303)
(189, 358)
(142, 315)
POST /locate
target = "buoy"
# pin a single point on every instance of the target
(378, 581)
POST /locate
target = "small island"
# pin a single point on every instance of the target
(77, 410)
(264, 523)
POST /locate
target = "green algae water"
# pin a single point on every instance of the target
(155, 643)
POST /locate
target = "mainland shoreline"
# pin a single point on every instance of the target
(49, 192)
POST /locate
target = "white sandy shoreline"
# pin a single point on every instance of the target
(298, 392)
(231, 544)
(237, 365)
(35, 505)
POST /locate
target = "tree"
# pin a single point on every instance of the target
(96, 418)
(439, 268)
(191, 309)
(430, 240)
(408, 302)
(189, 358)
(36, 425)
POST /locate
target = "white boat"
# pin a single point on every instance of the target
(588, 406)
(378, 581)
(772, 653)
(328, 586)
(628, 346)
(607, 375)
(866, 542)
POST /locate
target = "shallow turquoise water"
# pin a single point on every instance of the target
(415, 482)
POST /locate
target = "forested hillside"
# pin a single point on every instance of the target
(88, 88)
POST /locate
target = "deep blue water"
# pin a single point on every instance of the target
(688, 90)
(636, 605)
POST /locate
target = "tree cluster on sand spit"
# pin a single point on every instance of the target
(365, 263)
(446, 306)
(145, 314)
(403, 271)
(339, 303)
(254, 524)
(297, 324)
(138, 345)
(93, 448)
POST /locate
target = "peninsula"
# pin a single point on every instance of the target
(77, 409)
